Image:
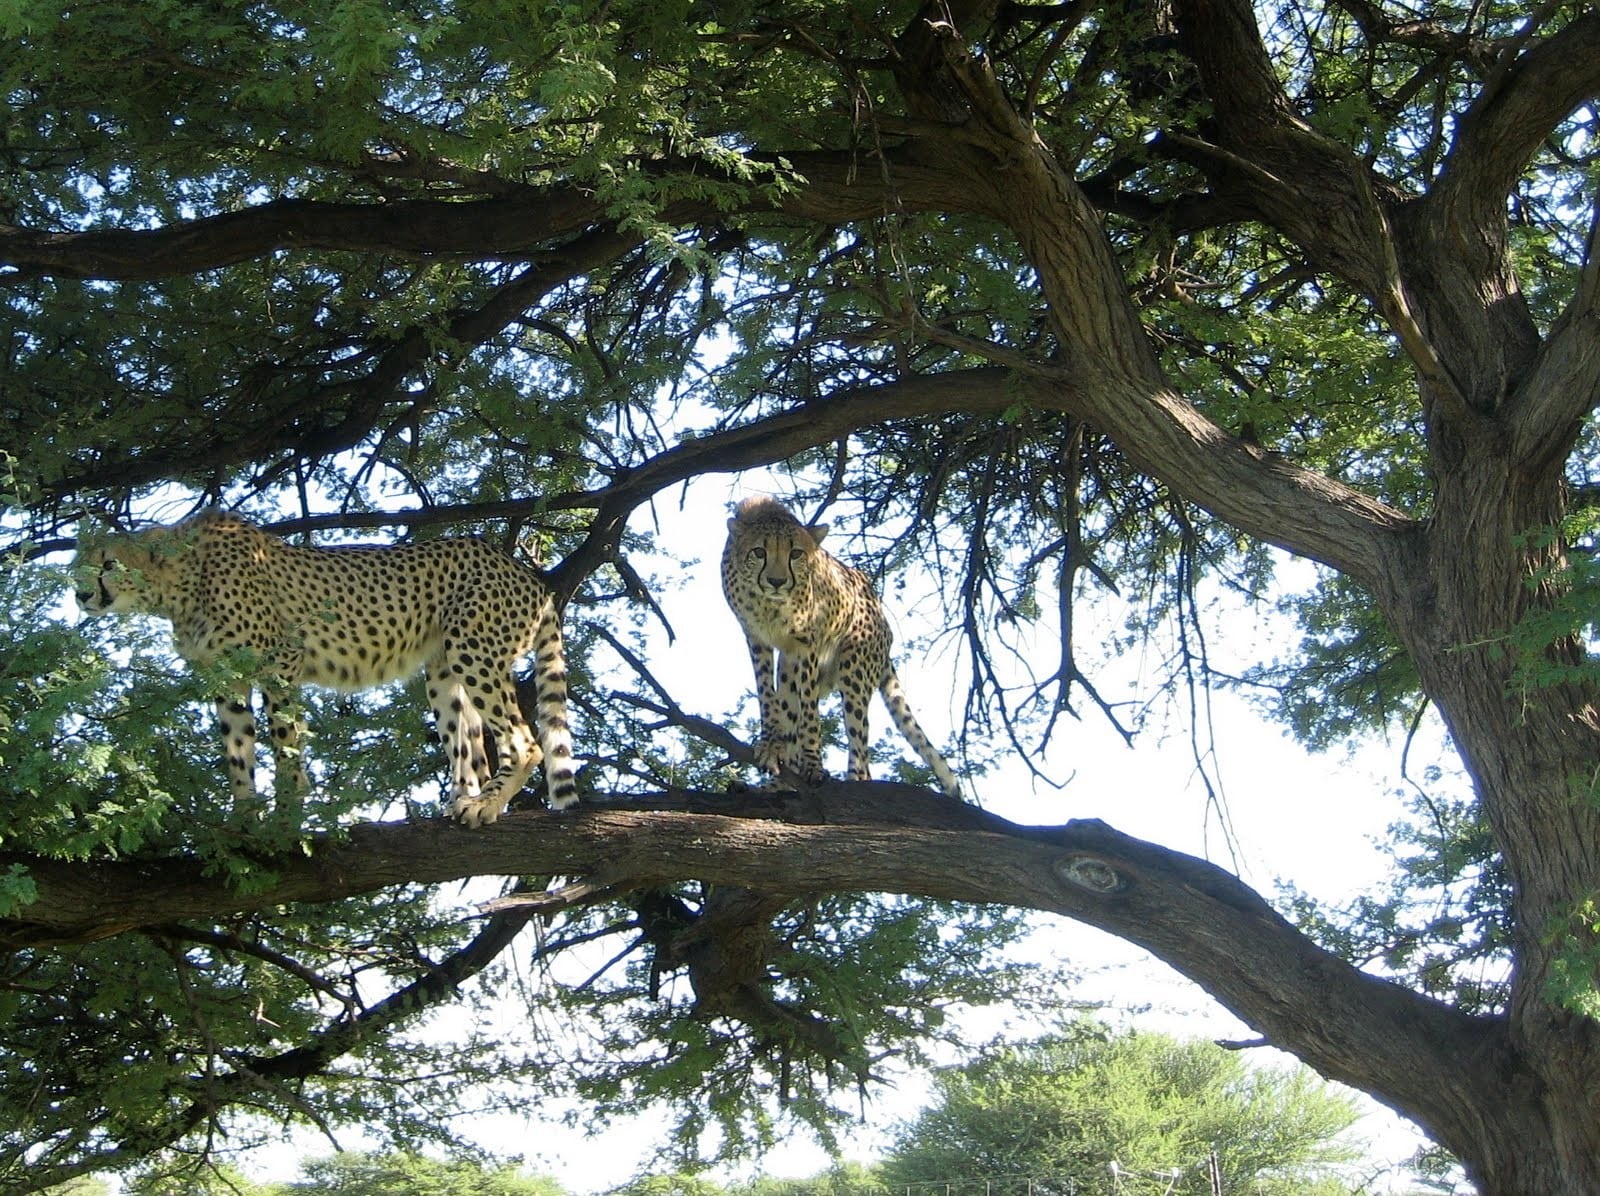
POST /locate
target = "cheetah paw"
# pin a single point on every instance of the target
(768, 756)
(476, 811)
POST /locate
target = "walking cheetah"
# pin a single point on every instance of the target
(352, 618)
(829, 631)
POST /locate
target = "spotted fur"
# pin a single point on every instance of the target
(829, 632)
(352, 618)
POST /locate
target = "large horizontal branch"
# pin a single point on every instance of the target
(506, 226)
(519, 226)
(863, 837)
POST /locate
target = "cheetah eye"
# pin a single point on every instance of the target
(796, 554)
(760, 554)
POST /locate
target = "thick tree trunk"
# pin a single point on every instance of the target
(1532, 757)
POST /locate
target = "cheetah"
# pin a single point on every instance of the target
(829, 631)
(350, 618)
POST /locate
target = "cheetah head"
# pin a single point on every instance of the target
(779, 561)
(116, 575)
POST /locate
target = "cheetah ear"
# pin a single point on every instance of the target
(818, 531)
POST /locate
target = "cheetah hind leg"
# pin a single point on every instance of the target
(554, 745)
(856, 735)
(290, 781)
(518, 754)
(460, 728)
(237, 724)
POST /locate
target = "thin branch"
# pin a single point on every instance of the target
(228, 941)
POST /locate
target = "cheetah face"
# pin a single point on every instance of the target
(103, 583)
(780, 563)
(777, 569)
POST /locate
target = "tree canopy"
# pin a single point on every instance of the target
(1074, 1111)
(351, 1173)
(1049, 303)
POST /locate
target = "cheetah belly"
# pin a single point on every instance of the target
(364, 655)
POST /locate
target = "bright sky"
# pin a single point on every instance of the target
(1313, 819)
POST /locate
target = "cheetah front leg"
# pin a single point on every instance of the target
(770, 748)
(290, 780)
(800, 686)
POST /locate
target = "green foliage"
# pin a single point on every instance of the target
(1572, 976)
(1558, 641)
(399, 1174)
(1441, 920)
(1058, 1112)
(636, 289)
(1348, 678)
(86, 1186)
(865, 984)
(842, 1179)
(678, 1184)
(202, 1178)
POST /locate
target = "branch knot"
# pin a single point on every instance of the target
(1091, 873)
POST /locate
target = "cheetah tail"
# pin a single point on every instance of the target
(894, 696)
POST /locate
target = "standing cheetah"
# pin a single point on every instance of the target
(829, 631)
(352, 618)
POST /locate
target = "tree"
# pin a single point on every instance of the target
(681, 1184)
(1052, 297)
(81, 1187)
(1058, 1114)
(842, 1179)
(193, 1177)
(355, 1174)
